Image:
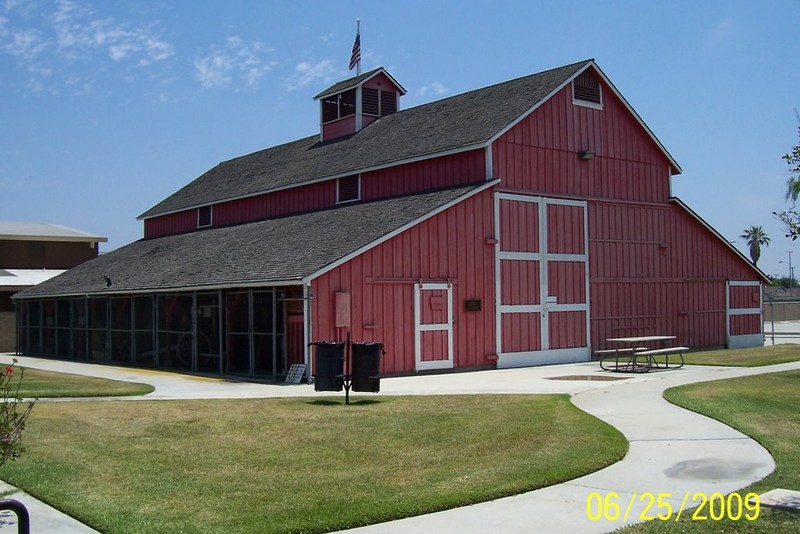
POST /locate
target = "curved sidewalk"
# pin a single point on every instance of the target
(671, 450)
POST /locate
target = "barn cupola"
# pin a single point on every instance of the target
(351, 105)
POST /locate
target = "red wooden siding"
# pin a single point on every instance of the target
(439, 173)
(339, 128)
(746, 324)
(540, 154)
(519, 226)
(521, 332)
(567, 281)
(656, 270)
(567, 330)
(287, 201)
(568, 237)
(451, 246)
(380, 81)
(521, 282)
(745, 297)
(446, 171)
(174, 223)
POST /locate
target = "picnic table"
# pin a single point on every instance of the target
(638, 354)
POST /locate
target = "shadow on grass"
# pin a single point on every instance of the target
(340, 402)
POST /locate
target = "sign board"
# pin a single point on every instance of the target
(296, 372)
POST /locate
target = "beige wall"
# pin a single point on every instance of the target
(783, 311)
(8, 326)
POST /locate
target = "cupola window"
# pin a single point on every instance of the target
(337, 106)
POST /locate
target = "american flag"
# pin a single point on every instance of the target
(355, 57)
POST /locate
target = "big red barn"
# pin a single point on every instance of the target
(519, 224)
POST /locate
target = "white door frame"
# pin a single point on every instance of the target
(419, 327)
(547, 302)
(743, 340)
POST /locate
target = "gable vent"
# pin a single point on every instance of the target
(348, 189)
(586, 89)
(204, 216)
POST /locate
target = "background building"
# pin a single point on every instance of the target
(31, 253)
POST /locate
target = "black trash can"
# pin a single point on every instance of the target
(328, 366)
(366, 366)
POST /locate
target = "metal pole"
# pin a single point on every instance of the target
(23, 518)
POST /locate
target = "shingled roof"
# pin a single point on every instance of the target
(461, 122)
(271, 252)
(355, 81)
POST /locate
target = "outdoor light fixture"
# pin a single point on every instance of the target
(586, 154)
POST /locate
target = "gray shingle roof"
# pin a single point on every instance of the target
(354, 81)
(277, 250)
(457, 122)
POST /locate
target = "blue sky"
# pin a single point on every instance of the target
(107, 107)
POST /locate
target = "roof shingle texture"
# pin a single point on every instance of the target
(277, 250)
(460, 121)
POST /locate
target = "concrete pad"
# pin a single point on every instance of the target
(781, 499)
(43, 518)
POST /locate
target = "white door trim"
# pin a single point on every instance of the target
(434, 327)
(547, 303)
(743, 340)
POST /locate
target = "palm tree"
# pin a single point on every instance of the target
(755, 237)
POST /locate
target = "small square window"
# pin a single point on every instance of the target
(348, 189)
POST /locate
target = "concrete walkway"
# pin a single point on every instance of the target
(671, 450)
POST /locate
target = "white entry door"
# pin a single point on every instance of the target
(433, 326)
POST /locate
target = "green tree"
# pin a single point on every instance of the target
(756, 237)
(791, 217)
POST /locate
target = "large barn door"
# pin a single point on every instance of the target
(433, 328)
(542, 264)
(744, 322)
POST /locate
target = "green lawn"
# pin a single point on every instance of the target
(764, 407)
(48, 384)
(754, 357)
(299, 465)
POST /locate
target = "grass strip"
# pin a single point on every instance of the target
(752, 357)
(299, 465)
(48, 384)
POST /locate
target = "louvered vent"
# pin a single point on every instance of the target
(204, 216)
(586, 88)
(369, 101)
(388, 102)
(348, 189)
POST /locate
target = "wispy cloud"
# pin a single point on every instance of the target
(71, 40)
(234, 62)
(306, 73)
(79, 33)
(722, 30)
(431, 89)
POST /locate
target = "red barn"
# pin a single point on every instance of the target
(519, 224)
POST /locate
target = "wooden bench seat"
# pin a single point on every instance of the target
(666, 352)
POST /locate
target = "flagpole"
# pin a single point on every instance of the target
(358, 33)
